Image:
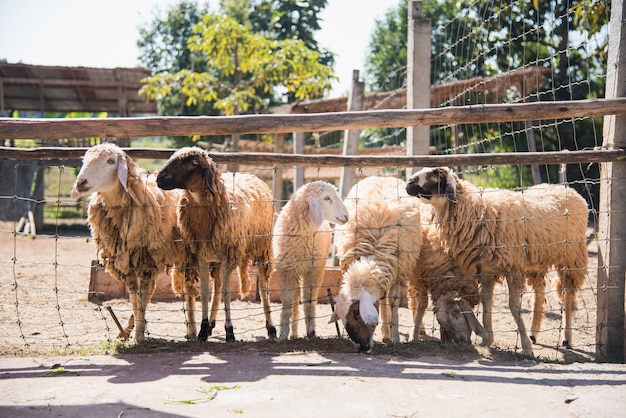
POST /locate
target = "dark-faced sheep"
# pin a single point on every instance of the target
(378, 248)
(301, 241)
(511, 234)
(454, 297)
(226, 219)
(133, 224)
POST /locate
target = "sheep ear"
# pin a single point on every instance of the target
(471, 319)
(208, 178)
(368, 310)
(122, 173)
(333, 318)
(451, 190)
(315, 211)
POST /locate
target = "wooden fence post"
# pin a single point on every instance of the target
(610, 333)
(351, 137)
(298, 171)
(418, 78)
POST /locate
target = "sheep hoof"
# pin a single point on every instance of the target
(533, 339)
(230, 334)
(310, 334)
(271, 331)
(206, 329)
(567, 345)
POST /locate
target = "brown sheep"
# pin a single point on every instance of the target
(226, 219)
(500, 233)
(133, 224)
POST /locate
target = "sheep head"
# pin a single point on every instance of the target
(105, 167)
(457, 320)
(325, 203)
(433, 182)
(188, 168)
(356, 306)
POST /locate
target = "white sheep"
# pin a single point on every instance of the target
(226, 220)
(133, 224)
(499, 233)
(378, 248)
(301, 242)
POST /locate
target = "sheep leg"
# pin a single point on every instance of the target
(487, 284)
(395, 320)
(310, 294)
(190, 303)
(224, 272)
(515, 283)
(139, 295)
(419, 311)
(130, 324)
(288, 301)
(538, 282)
(264, 292)
(385, 315)
(206, 327)
(571, 282)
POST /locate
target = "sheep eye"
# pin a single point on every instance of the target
(111, 161)
(327, 198)
(355, 313)
(195, 162)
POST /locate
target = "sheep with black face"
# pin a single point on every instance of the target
(500, 233)
(226, 220)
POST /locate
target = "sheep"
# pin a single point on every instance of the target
(501, 233)
(301, 243)
(133, 224)
(378, 249)
(226, 219)
(453, 296)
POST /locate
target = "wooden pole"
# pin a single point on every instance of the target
(298, 171)
(351, 136)
(610, 331)
(53, 128)
(418, 78)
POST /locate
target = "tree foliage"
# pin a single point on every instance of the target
(241, 68)
(483, 38)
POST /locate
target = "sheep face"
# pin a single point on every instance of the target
(185, 166)
(457, 320)
(326, 204)
(356, 306)
(430, 183)
(104, 168)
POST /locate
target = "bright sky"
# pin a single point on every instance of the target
(104, 33)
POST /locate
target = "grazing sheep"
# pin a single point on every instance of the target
(378, 248)
(503, 233)
(226, 219)
(301, 243)
(133, 224)
(454, 297)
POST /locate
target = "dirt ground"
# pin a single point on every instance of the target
(44, 283)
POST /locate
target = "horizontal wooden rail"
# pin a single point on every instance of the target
(271, 124)
(275, 159)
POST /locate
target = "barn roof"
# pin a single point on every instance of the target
(73, 89)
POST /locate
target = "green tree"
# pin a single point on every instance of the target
(242, 68)
(291, 19)
(163, 48)
(472, 39)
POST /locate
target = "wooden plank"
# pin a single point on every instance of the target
(11, 128)
(270, 160)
